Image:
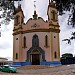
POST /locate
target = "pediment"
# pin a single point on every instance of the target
(36, 23)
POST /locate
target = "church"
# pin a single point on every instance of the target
(36, 42)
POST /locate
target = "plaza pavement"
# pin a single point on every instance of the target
(58, 70)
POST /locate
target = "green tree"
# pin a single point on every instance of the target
(67, 5)
(6, 9)
(67, 55)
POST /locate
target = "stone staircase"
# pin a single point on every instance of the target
(33, 67)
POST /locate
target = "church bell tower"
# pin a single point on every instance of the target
(17, 34)
(52, 12)
(54, 33)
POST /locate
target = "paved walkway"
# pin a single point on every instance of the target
(59, 70)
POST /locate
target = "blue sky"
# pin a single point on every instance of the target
(6, 39)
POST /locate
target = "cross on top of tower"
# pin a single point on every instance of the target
(34, 5)
(50, 1)
(35, 15)
(19, 3)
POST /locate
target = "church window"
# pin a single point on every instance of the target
(53, 15)
(35, 40)
(56, 16)
(46, 40)
(16, 20)
(55, 54)
(16, 55)
(24, 41)
(21, 19)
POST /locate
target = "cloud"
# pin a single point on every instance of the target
(65, 33)
(41, 8)
(8, 53)
(5, 45)
(6, 41)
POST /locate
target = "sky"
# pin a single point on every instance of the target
(6, 39)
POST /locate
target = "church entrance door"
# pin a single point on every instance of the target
(35, 59)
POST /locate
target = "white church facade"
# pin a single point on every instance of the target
(36, 42)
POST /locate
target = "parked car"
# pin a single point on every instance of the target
(7, 68)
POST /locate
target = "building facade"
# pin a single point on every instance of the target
(36, 42)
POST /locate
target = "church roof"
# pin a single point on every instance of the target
(38, 23)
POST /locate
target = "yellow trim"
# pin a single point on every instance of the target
(51, 47)
(54, 25)
(20, 27)
(37, 30)
(58, 48)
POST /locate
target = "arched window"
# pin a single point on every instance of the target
(35, 40)
(16, 55)
(22, 20)
(24, 41)
(16, 20)
(55, 54)
(53, 15)
(56, 16)
(46, 41)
